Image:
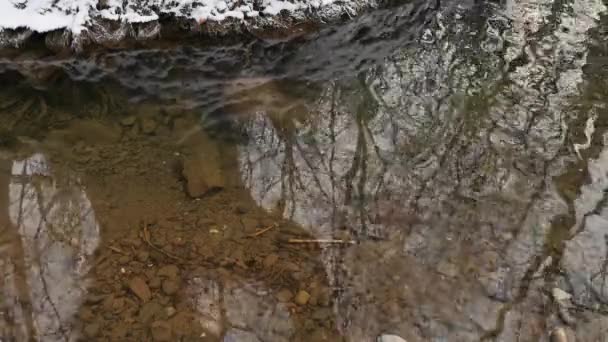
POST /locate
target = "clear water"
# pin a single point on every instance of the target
(434, 171)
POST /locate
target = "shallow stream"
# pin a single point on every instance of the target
(436, 171)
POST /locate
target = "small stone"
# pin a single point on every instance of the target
(560, 295)
(390, 338)
(148, 125)
(448, 269)
(309, 325)
(149, 312)
(119, 332)
(128, 121)
(143, 256)
(391, 309)
(95, 298)
(108, 303)
(155, 282)
(250, 224)
(118, 305)
(284, 296)
(170, 311)
(124, 259)
(490, 259)
(139, 287)
(322, 335)
(161, 331)
(322, 315)
(169, 271)
(241, 209)
(170, 287)
(559, 335)
(324, 297)
(299, 276)
(202, 175)
(302, 297)
(135, 242)
(91, 330)
(291, 267)
(164, 300)
(270, 260)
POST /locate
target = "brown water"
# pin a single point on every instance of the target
(436, 172)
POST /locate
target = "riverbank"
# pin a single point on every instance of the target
(74, 25)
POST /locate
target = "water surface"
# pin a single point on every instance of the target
(435, 171)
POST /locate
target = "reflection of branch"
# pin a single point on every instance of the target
(21, 196)
(450, 145)
(287, 185)
(359, 162)
(602, 271)
(332, 156)
(43, 211)
(312, 168)
(362, 180)
(384, 162)
(592, 291)
(350, 174)
(18, 267)
(62, 330)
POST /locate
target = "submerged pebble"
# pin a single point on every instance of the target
(139, 287)
(284, 296)
(302, 297)
(559, 335)
(390, 338)
(161, 331)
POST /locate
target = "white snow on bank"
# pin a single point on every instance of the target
(74, 15)
(45, 15)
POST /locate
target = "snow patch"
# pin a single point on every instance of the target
(76, 15)
(45, 15)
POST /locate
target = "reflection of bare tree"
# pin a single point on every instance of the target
(463, 134)
(57, 230)
(15, 317)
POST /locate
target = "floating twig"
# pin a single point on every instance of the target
(262, 231)
(117, 250)
(331, 241)
(146, 237)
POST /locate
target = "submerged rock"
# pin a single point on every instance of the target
(560, 295)
(302, 297)
(447, 269)
(128, 121)
(139, 287)
(284, 296)
(148, 126)
(149, 312)
(169, 271)
(161, 331)
(559, 335)
(390, 338)
(170, 287)
(270, 260)
(202, 175)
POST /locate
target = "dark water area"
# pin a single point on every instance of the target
(429, 171)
